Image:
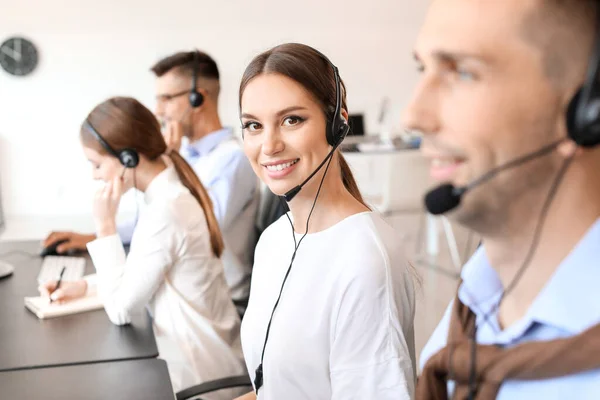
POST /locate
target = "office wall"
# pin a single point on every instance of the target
(92, 50)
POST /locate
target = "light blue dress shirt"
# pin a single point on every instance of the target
(232, 184)
(566, 306)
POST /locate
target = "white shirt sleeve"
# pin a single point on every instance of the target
(128, 283)
(370, 358)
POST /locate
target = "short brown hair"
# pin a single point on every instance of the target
(186, 62)
(556, 27)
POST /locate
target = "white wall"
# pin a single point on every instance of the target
(90, 50)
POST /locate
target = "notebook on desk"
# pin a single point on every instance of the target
(43, 309)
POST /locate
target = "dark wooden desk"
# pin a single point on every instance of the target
(27, 342)
(137, 379)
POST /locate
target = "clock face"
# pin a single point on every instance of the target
(18, 56)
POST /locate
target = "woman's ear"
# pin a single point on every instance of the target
(344, 114)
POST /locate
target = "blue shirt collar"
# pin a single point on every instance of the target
(205, 145)
(570, 300)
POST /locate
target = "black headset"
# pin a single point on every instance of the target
(196, 98)
(337, 126)
(583, 113)
(129, 158)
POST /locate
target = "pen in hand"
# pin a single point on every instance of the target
(62, 271)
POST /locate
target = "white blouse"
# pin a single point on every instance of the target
(344, 326)
(171, 269)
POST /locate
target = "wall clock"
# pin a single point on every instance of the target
(18, 56)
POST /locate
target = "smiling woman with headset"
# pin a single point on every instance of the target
(174, 264)
(332, 297)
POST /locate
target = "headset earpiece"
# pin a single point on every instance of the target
(583, 112)
(129, 158)
(583, 120)
(344, 129)
(196, 98)
(337, 126)
(337, 131)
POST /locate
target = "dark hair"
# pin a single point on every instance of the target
(556, 27)
(185, 62)
(306, 66)
(123, 123)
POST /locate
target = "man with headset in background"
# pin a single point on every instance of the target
(497, 79)
(187, 92)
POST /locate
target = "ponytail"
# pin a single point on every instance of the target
(349, 182)
(191, 181)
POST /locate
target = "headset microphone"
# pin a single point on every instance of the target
(290, 194)
(447, 197)
(443, 198)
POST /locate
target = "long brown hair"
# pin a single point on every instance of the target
(124, 123)
(306, 66)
